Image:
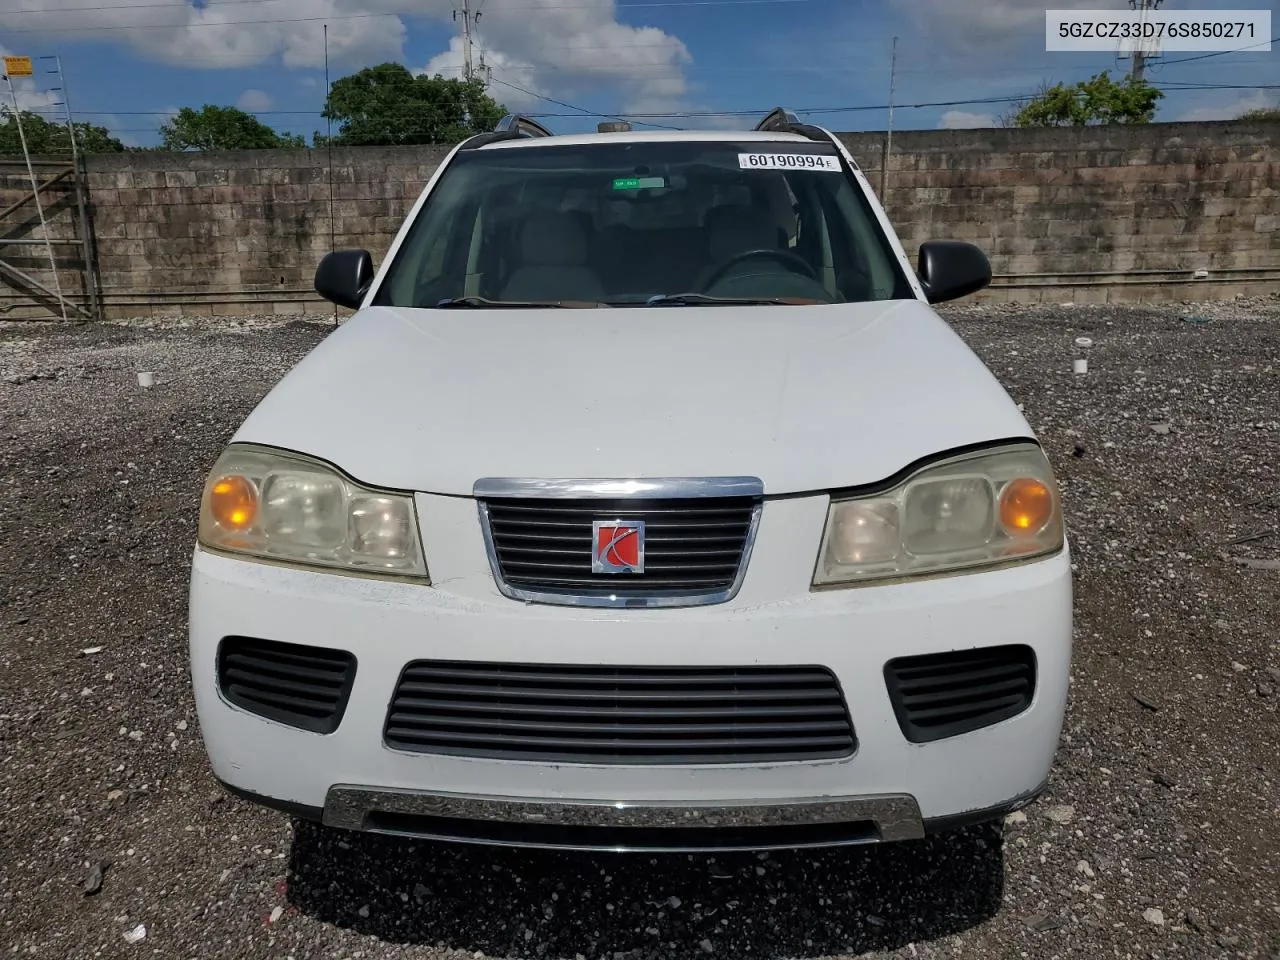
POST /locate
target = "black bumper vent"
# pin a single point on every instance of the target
(301, 686)
(946, 694)
(692, 548)
(633, 715)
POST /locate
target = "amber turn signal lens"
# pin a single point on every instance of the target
(233, 502)
(1026, 505)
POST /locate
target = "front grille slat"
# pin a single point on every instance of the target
(583, 676)
(966, 694)
(694, 549)
(410, 688)
(659, 733)
(816, 710)
(606, 714)
(574, 587)
(265, 682)
(948, 694)
(947, 714)
(322, 675)
(302, 686)
(305, 706)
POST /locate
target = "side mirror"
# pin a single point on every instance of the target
(344, 276)
(950, 269)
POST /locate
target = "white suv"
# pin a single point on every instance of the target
(644, 503)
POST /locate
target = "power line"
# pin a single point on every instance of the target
(214, 4)
(581, 110)
(1221, 53)
(636, 4)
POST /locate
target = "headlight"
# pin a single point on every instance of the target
(972, 511)
(290, 508)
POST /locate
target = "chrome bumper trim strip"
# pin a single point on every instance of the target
(896, 816)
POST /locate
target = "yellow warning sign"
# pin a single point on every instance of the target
(18, 67)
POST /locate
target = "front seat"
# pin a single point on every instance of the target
(553, 254)
(734, 229)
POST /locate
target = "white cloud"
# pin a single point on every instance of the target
(552, 47)
(225, 36)
(561, 50)
(1229, 110)
(254, 101)
(964, 120)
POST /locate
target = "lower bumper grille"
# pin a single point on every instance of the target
(946, 694)
(631, 715)
(302, 686)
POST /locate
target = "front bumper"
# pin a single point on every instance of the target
(888, 789)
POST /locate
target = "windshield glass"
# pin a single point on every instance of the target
(626, 223)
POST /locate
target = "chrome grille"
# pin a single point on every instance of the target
(695, 549)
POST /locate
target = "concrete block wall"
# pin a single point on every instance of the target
(1094, 214)
(1090, 215)
(237, 233)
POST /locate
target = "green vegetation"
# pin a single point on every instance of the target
(1261, 113)
(51, 138)
(222, 128)
(387, 104)
(1098, 100)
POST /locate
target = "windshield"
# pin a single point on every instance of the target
(631, 223)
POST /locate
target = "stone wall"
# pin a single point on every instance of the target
(242, 232)
(1088, 215)
(1096, 214)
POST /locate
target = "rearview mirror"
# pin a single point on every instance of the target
(344, 276)
(949, 269)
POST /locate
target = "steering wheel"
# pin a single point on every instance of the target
(784, 257)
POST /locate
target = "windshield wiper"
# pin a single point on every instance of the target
(486, 303)
(701, 299)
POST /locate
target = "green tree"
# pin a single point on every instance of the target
(50, 138)
(387, 104)
(222, 128)
(1098, 100)
(1261, 113)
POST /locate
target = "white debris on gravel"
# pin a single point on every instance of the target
(1062, 813)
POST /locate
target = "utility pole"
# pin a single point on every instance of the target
(888, 140)
(469, 20)
(1139, 46)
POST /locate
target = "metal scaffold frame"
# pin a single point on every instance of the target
(43, 174)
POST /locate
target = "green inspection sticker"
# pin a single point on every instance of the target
(639, 183)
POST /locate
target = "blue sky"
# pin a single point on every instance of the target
(130, 62)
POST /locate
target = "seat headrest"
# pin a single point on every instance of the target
(736, 229)
(552, 238)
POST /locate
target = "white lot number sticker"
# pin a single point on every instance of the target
(788, 161)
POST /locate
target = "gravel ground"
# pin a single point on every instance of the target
(1158, 836)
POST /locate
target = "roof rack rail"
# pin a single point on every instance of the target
(781, 120)
(513, 126)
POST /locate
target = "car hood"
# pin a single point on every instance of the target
(804, 398)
